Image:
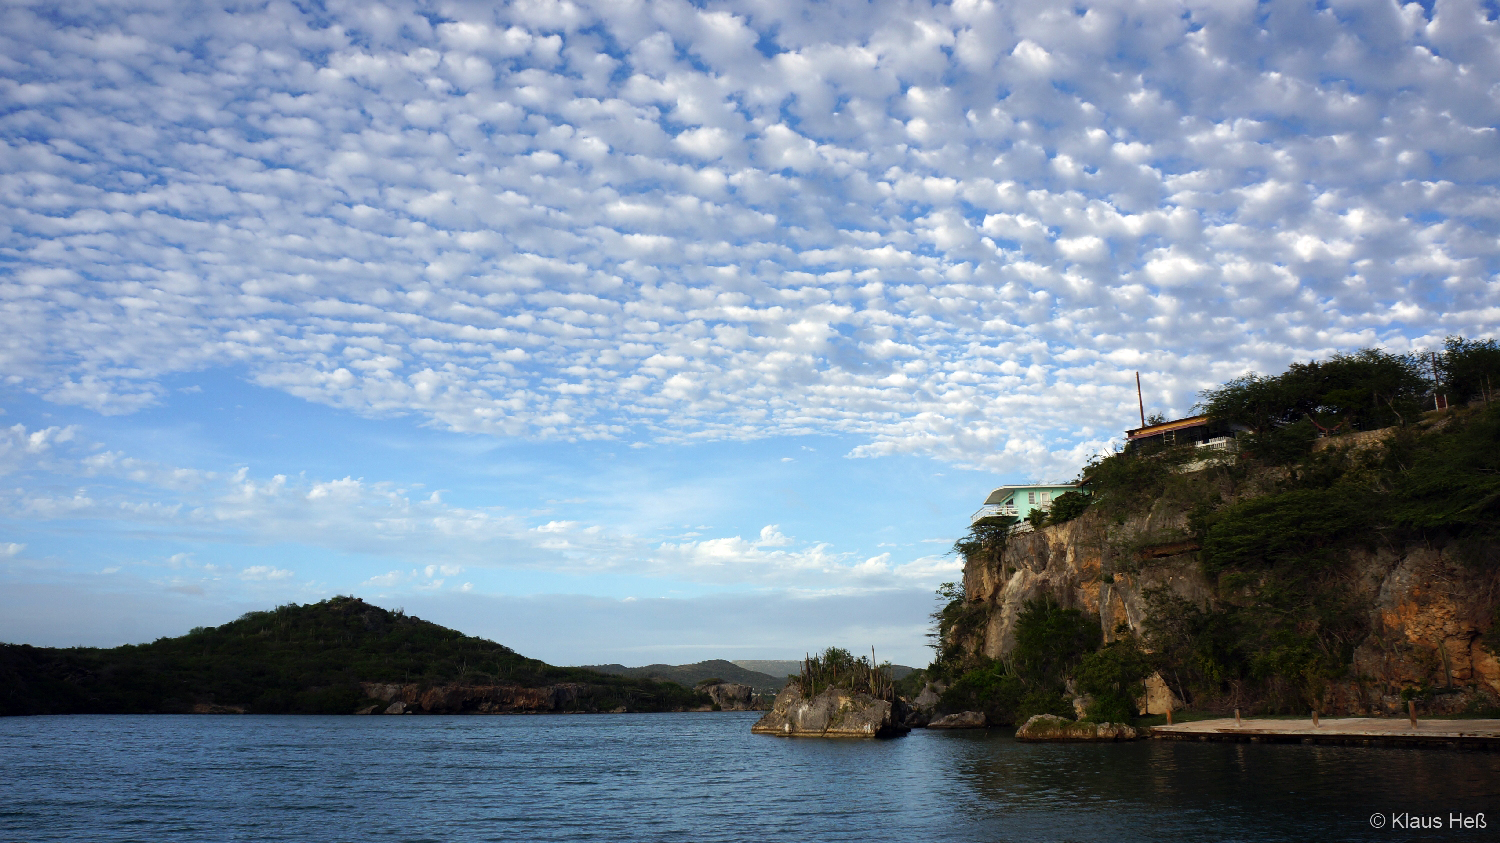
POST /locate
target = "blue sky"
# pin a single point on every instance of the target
(666, 331)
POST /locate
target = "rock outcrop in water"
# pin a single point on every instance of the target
(960, 720)
(730, 696)
(1050, 727)
(834, 713)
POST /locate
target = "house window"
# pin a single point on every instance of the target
(1046, 497)
(1031, 497)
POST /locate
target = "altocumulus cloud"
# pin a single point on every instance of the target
(951, 230)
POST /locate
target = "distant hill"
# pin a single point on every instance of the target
(792, 667)
(307, 659)
(691, 674)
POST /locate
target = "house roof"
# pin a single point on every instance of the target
(1000, 494)
(1166, 427)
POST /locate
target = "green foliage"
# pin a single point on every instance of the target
(836, 667)
(1281, 445)
(1050, 641)
(1044, 700)
(1067, 506)
(1292, 527)
(951, 616)
(1448, 478)
(1123, 481)
(304, 659)
(1037, 518)
(1115, 678)
(911, 685)
(989, 688)
(982, 541)
(1469, 368)
(1362, 391)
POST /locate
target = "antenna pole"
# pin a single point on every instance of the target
(1139, 399)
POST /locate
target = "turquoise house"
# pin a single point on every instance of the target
(1011, 504)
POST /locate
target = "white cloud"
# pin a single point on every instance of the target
(939, 229)
(385, 520)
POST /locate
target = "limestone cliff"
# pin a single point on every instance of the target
(1419, 609)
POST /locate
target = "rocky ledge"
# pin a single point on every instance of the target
(834, 713)
(1050, 727)
(960, 720)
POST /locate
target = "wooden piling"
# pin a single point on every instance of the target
(1236, 718)
(1411, 712)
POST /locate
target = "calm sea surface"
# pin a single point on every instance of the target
(694, 777)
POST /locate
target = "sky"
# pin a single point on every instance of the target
(662, 331)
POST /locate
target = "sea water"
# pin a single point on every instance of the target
(699, 777)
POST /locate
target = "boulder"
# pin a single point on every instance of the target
(397, 707)
(961, 720)
(922, 710)
(730, 696)
(834, 713)
(1050, 727)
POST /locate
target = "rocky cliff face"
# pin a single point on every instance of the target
(1424, 610)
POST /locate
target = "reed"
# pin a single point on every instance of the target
(836, 667)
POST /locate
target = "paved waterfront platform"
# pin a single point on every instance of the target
(1346, 731)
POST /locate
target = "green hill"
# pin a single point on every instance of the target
(298, 659)
(792, 667)
(691, 674)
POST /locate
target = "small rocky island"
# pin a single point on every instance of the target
(837, 696)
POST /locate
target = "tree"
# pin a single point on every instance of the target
(1469, 368)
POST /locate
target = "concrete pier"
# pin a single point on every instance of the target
(1345, 731)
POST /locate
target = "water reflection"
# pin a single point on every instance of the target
(1154, 790)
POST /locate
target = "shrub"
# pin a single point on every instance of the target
(1115, 678)
(1067, 506)
(1050, 640)
(990, 689)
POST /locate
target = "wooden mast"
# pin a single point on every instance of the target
(1139, 400)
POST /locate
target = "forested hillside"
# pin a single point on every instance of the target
(314, 658)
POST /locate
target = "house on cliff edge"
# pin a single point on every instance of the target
(1202, 431)
(1011, 504)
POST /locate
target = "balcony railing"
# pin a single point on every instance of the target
(993, 511)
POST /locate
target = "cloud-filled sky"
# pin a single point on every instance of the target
(698, 329)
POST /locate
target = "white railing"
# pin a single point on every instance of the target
(1220, 443)
(992, 511)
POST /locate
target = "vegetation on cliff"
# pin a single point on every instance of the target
(301, 659)
(1277, 534)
